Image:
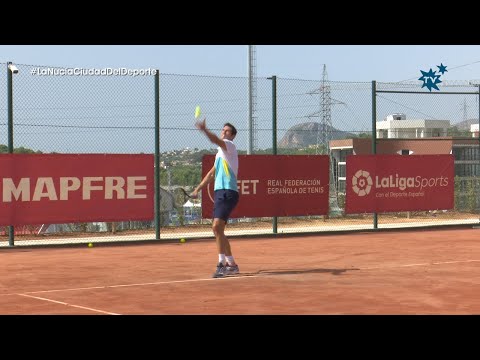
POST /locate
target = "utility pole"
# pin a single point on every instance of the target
(324, 134)
(465, 110)
(252, 99)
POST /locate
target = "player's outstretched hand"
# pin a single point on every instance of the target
(201, 125)
(194, 194)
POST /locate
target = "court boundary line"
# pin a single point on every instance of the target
(239, 276)
(25, 293)
(148, 238)
(67, 304)
(420, 264)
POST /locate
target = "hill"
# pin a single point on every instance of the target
(305, 134)
(465, 124)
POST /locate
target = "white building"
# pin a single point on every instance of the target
(396, 126)
(397, 135)
(474, 130)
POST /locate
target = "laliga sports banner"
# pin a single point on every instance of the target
(389, 183)
(275, 185)
(63, 188)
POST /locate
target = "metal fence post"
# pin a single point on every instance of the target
(274, 134)
(10, 70)
(374, 135)
(157, 155)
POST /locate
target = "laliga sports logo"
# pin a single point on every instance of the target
(362, 183)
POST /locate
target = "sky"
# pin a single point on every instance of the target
(71, 114)
(384, 63)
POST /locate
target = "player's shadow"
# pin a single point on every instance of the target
(305, 271)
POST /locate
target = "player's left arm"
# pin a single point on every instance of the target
(205, 181)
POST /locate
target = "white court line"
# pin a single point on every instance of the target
(64, 303)
(420, 264)
(229, 278)
(234, 232)
(130, 285)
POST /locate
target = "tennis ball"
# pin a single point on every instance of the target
(182, 240)
(90, 245)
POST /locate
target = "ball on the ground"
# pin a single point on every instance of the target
(90, 245)
(182, 240)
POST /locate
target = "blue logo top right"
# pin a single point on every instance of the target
(432, 78)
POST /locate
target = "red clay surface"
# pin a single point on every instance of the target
(392, 272)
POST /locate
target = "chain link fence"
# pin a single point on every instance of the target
(439, 122)
(94, 113)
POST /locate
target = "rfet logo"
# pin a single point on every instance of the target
(245, 187)
(362, 183)
(275, 185)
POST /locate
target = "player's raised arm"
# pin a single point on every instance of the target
(202, 126)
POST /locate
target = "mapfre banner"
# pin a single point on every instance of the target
(58, 188)
(389, 183)
(275, 185)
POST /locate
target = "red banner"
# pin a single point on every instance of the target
(63, 188)
(275, 185)
(389, 183)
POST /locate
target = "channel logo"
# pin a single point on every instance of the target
(362, 183)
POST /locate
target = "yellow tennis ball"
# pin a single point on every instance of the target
(182, 240)
(197, 112)
(90, 245)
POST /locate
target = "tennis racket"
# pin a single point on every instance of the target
(181, 196)
(186, 194)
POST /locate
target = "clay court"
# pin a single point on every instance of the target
(415, 271)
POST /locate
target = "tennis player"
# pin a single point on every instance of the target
(224, 174)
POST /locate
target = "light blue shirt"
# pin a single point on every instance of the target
(226, 167)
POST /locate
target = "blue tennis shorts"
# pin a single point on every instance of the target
(225, 202)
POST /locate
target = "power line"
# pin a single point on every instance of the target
(453, 68)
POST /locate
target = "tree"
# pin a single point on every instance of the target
(20, 150)
(456, 132)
